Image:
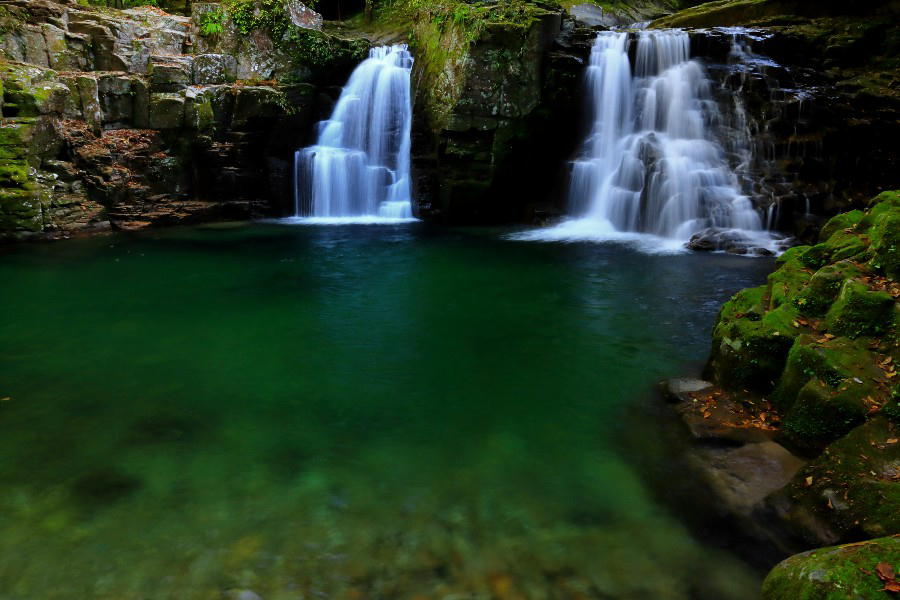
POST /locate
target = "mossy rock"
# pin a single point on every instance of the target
(851, 490)
(816, 257)
(885, 236)
(860, 312)
(835, 573)
(822, 414)
(20, 210)
(844, 244)
(847, 220)
(824, 286)
(839, 363)
(788, 280)
(13, 173)
(748, 349)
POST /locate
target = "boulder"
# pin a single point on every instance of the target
(166, 111)
(169, 76)
(851, 491)
(860, 570)
(214, 69)
(749, 351)
(858, 311)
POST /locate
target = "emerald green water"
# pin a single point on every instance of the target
(344, 412)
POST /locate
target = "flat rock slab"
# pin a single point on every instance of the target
(742, 477)
(712, 414)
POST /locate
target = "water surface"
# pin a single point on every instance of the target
(344, 412)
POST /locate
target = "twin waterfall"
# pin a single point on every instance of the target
(651, 164)
(359, 166)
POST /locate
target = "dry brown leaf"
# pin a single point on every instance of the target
(884, 571)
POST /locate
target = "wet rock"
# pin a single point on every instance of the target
(592, 15)
(727, 240)
(713, 415)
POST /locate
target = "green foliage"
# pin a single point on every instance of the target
(472, 18)
(268, 15)
(212, 23)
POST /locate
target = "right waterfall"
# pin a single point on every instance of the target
(651, 163)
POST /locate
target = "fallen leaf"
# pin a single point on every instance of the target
(808, 481)
(884, 571)
(889, 440)
(892, 586)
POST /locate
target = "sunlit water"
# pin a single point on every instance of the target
(345, 412)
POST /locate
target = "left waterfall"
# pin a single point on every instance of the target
(359, 166)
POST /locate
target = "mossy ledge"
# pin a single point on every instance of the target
(810, 358)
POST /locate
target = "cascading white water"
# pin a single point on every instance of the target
(651, 163)
(652, 166)
(360, 164)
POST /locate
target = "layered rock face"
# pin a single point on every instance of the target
(498, 109)
(132, 118)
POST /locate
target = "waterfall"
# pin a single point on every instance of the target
(360, 164)
(651, 163)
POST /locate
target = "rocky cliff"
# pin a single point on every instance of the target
(497, 113)
(128, 118)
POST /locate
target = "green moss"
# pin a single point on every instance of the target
(789, 280)
(748, 349)
(847, 220)
(841, 363)
(719, 13)
(835, 573)
(850, 488)
(821, 413)
(823, 288)
(859, 312)
(885, 236)
(13, 173)
(816, 257)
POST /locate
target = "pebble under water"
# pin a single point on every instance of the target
(345, 412)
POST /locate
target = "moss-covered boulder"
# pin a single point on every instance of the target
(841, 363)
(848, 572)
(828, 315)
(851, 491)
(860, 312)
(749, 350)
(823, 413)
(823, 287)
